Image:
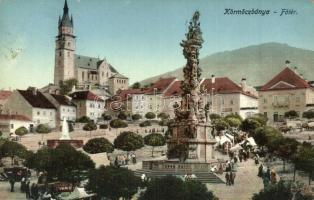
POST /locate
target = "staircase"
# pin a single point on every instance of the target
(204, 177)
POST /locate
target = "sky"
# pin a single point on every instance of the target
(140, 38)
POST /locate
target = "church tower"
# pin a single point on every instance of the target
(65, 48)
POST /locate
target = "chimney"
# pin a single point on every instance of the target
(33, 90)
(287, 63)
(213, 79)
(243, 84)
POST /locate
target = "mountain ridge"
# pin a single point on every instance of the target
(257, 63)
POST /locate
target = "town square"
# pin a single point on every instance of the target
(156, 100)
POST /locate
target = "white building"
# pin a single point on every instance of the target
(34, 105)
(9, 123)
(88, 104)
(65, 107)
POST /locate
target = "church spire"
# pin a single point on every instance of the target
(66, 21)
(65, 8)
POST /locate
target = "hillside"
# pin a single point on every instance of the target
(257, 63)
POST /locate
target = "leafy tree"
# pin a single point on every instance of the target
(304, 159)
(68, 164)
(220, 124)
(154, 140)
(232, 115)
(43, 129)
(145, 123)
(163, 116)
(122, 115)
(179, 151)
(233, 122)
(164, 122)
(40, 160)
(291, 114)
(103, 126)
(279, 191)
(90, 126)
(66, 86)
(106, 116)
(98, 145)
(198, 191)
(12, 149)
(308, 114)
(117, 123)
(128, 141)
(214, 116)
(113, 183)
(285, 149)
(136, 117)
(83, 119)
(250, 124)
(21, 131)
(265, 136)
(136, 85)
(166, 188)
(170, 187)
(262, 119)
(150, 115)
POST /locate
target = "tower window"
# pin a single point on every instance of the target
(60, 53)
(69, 43)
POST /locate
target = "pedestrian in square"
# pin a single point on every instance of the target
(227, 178)
(27, 190)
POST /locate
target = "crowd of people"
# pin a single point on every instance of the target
(269, 176)
(122, 160)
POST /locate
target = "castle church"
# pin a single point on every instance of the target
(89, 72)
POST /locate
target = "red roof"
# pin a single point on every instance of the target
(161, 85)
(14, 117)
(5, 94)
(124, 94)
(85, 95)
(286, 79)
(174, 90)
(223, 85)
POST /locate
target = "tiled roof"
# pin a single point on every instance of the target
(62, 100)
(36, 99)
(5, 94)
(14, 117)
(91, 63)
(118, 76)
(124, 94)
(85, 95)
(174, 90)
(286, 79)
(223, 85)
(161, 85)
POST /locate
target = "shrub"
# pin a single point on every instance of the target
(21, 131)
(129, 141)
(83, 119)
(43, 128)
(98, 145)
(103, 126)
(145, 123)
(136, 117)
(150, 115)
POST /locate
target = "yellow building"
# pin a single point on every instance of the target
(286, 91)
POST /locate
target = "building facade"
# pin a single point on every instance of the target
(9, 123)
(284, 92)
(34, 105)
(88, 104)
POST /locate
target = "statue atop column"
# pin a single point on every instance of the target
(193, 104)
